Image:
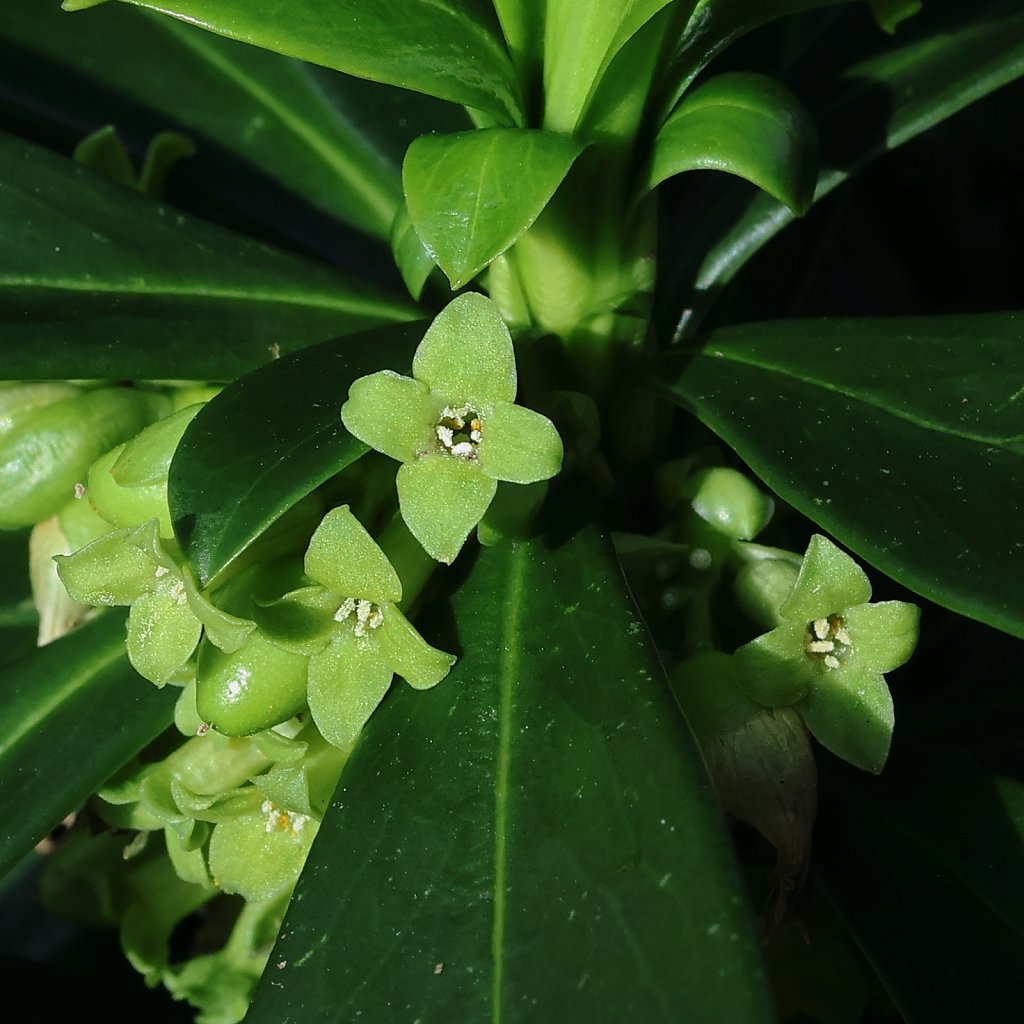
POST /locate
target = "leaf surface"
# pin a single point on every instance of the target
(744, 124)
(903, 437)
(533, 839)
(944, 59)
(268, 440)
(98, 281)
(924, 865)
(715, 24)
(271, 111)
(579, 42)
(73, 713)
(451, 49)
(471, 195)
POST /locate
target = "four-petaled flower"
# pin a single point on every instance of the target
(828, 657)
(168, 613)
(453, 425)
(350, 626)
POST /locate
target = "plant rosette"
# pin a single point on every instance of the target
(454, 425)
(349, 625)
(828, 657)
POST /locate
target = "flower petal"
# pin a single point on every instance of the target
(345, 558)
(850, 712)
(774, 670)
(391, 413)
(419, 664)
(883, 635)
(442, 498)
(301, 621)
(347, 680)
(261, 855)
(227, 631)
(162, 633)
(467, 353)
(109, 571)
(829, 581)
(519, 445)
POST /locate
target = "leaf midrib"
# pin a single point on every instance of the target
(511, 608)
(205, 291)
(1003, 443)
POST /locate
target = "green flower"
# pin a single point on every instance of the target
(453, 425)
(828, 657)
(136, 568)
(351, 628)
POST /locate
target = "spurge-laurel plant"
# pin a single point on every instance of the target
(446, 605)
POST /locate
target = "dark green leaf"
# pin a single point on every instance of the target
(715, 24)
(19, 620)
(451, 49)
(745, 124)
(73, 712)
(472, 194)
(268, 109)
(532, 840)
(98, 281)
(949, 56)
(924, 865)
(412, 258)
(903, 437)
(268, 440)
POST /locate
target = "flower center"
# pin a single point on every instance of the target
(280, 820)
(367, 615)
(459, 431)
(827, 640)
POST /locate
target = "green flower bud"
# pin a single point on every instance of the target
(46, 447)
(254, 688)
(729, 502)
(128, 485)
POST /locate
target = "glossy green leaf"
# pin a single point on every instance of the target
(924, 867)
(273, 436)
(98, 281)
(534, 839)
(579, 42)
(952, 55)
(452, 50)
(471, 195)
(522, 24)
(269, 110)
(411, 256)
(715, 24)
(903, 437)
(76, 703)
(744, 124)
